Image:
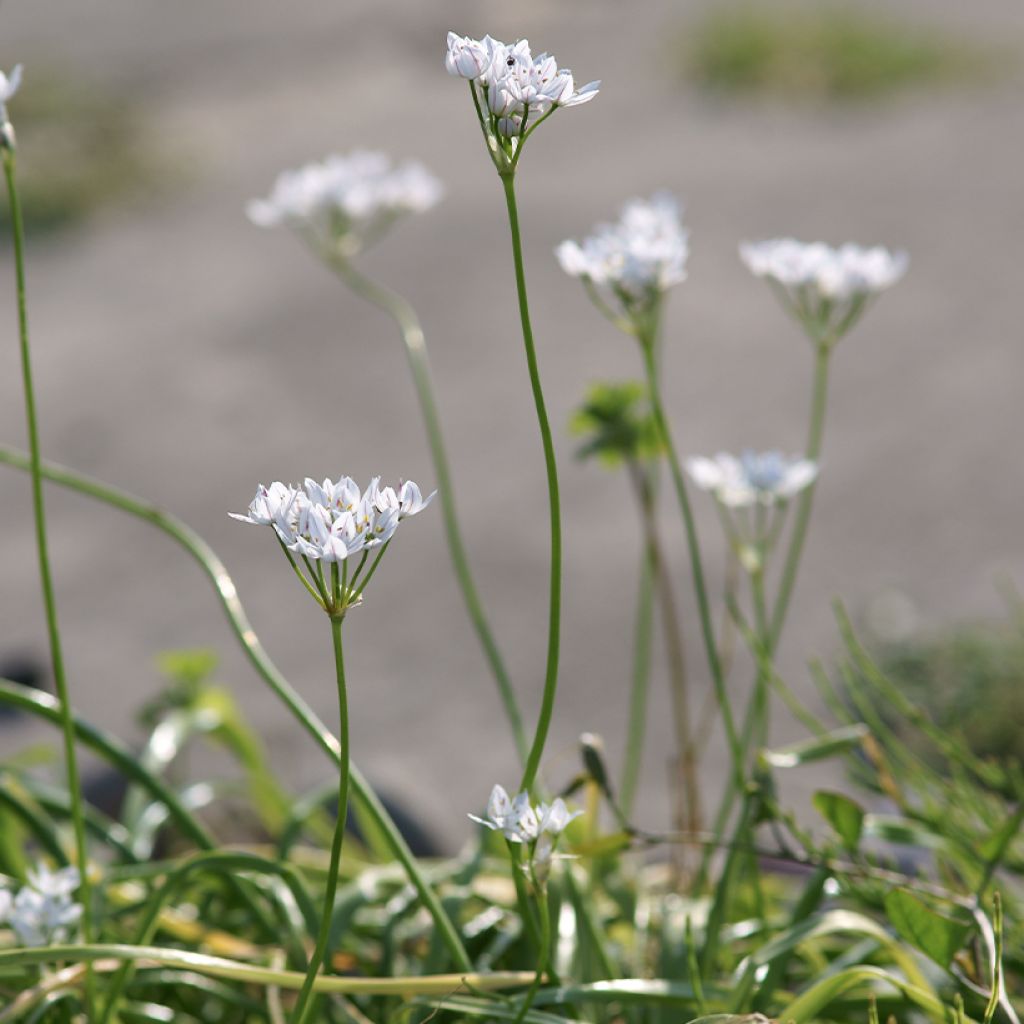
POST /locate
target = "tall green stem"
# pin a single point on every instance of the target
(815, 431)
(697, 569)
(416, 349)
(305, 1000)
(545, 950)
(555, 590)
(49, 599)
(637, 728)
(227, 594)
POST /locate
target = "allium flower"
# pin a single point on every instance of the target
(825, 286)
(43, 912)
(520, 822)
(634, 260)
(9, 85)
(330, 522)
(344, 203)
(513, 90)
(752, 479)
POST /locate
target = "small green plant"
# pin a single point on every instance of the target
(822, 51)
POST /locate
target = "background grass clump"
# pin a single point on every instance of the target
(823, 52)
(84, 148)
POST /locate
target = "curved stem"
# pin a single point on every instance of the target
(416, 349)
(815, 431)
(227, 594)
(49, 599)
(703, 606)
(555, 588)
(305, 1002)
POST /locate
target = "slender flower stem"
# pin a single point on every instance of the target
(637, 728)
(305, 1000)
(760, 703)
(819, 401)
(555, 594)
(227, 594)
(49, 599)
(416, 350)
(545, 950)
(703, 606)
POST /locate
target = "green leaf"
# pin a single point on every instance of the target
(937, 936)
(818, 748)
(846, 816)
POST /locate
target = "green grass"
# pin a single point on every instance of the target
(824, 52)
(80, 147)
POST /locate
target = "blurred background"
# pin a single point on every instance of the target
(185, 356)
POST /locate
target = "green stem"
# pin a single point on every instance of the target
(758, 719)
(707, 628)
(545, 949)
(268, 671)
(49, 599)
(555, 590)
(637, 727)
(819, 401)
(305, 1000)
(416, 350)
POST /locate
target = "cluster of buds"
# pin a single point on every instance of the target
(627, 266)
(8, 87)
(513, 91)
(537, 828)
(43, 911)
(342, 204)
(331, 522)
(753, 492)
(827, 289)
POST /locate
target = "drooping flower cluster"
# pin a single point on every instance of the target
(43, 911)
(344, 203)
(520, 822)
(766, 478)
(330, 522)
(634, 259)
(9, 85)
(827, 287)
(513, 90)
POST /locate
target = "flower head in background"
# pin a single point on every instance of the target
(513, 91)
(344, 203)
(43, 911)
(766, 478)
(9, 85)
(337, 524)
(520, 822)
(628, 265)
(827, 288)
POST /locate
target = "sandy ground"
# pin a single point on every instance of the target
(185, 356)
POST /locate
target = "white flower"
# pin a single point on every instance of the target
(827, 287)
(513, 88)
(43, 912)
(9, 85)
(752, 478)
(346, 200)
(520, 822)
(636, 258)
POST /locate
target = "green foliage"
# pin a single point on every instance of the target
(846, 816)
(822, 51)
(80, 147)
(616, 424)
(937, 935)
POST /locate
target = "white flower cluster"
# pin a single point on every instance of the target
(347, 198)
(752, 479)
(331, 521)
(515, 88)
(520, 822)
(9, 85)
(639, 256)
(825, 285)
(43, 912)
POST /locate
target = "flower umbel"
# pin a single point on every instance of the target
(826, 288)
(629, 264)
(513, 91)
(754, 478)
(43, 912)
(342, 204)
(9, 85)
(520, 822)
(332, 523)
